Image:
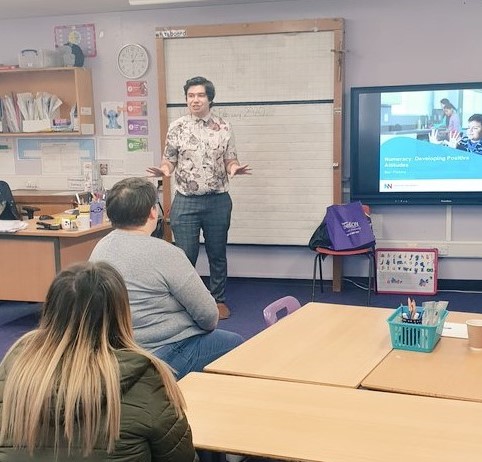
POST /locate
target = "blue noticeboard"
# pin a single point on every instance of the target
(30, 148)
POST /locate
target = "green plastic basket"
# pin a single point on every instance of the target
(414, 337)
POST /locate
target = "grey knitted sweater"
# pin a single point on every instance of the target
(169, 301)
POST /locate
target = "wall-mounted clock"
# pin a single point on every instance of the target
(133, 61)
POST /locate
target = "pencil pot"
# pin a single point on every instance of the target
(411, 334)
(96, 213)
(83, 221)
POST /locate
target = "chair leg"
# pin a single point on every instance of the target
(313, 283)
(320, 267)
(371, 271)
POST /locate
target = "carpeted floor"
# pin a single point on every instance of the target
(247, 298)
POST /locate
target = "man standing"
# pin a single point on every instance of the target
(200, 149)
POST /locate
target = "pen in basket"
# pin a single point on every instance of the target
(412, 308)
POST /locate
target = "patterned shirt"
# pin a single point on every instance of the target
(465, 144)
(200, 147)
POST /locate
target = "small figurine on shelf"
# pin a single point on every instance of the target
(73, 55)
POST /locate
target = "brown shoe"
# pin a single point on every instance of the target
(224, 312)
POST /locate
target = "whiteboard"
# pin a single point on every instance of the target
(277, 91)
(292, 180)
(255, 67)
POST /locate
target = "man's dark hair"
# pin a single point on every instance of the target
(476, 118)
(207, 84)
(130, 201)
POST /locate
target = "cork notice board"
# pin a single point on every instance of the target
(407, 271)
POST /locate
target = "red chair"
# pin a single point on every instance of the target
(279, 309)
(322, 253)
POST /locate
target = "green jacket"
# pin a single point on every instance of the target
(150, 430)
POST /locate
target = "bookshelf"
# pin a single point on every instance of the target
(73, 85)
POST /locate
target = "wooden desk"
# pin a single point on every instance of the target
(306, 422)
(31, 258)
(320, 343)
(452, 370)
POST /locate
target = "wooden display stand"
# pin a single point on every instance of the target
(73, 85)
(407, 271)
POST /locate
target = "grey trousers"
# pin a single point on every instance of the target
(212, 214)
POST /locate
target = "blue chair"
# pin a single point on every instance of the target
(279, 309)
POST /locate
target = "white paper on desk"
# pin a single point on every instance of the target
(455, 329)
(10, 226)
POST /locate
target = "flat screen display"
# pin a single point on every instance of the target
(416, 144)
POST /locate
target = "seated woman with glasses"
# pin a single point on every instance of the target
(78, 388)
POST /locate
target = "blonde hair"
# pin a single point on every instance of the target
(66, 377)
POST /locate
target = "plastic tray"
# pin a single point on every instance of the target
(414, 337)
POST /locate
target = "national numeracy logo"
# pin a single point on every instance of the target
(387, 186)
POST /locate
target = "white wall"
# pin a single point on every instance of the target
(388, 42)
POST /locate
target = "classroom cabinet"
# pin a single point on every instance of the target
(73, 85)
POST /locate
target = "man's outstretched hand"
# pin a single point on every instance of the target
(240, 170)
(163, 170)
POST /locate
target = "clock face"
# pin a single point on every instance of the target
(133, 61)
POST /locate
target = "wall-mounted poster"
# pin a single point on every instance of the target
(136, 88)
(136, 144)
(137, 108)
(137, 127)
(113, 118)
(407, 271)
(82, 35)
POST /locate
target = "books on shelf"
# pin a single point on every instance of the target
(26, 113)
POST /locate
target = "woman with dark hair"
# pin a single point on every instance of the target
(79, 387)
(453, 119)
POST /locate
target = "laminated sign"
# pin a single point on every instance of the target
(407, 271)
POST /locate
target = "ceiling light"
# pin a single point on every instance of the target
(159, 2)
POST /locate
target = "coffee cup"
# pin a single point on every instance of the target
(474, 331)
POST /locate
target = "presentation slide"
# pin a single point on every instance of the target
(408, 164)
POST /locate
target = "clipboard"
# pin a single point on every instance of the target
(406, 271)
